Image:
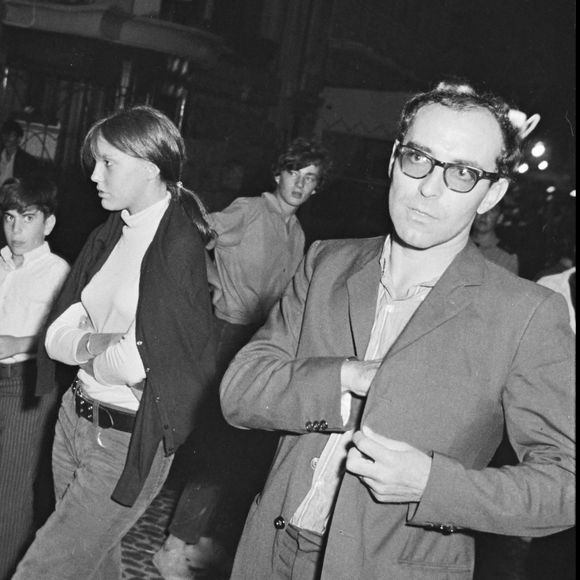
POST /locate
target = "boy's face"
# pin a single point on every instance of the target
(298, 186)
(26, 231)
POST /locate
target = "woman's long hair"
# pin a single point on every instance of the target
(146, 133)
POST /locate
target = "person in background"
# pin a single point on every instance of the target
(258, 247)
(30, 278)
(565, 284)
(135, 317)
(484, 235)
(14, 161)
(391, 366)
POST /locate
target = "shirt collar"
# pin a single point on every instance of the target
(148, 215)
(29, 257)
(386, 280)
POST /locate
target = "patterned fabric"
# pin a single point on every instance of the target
(26, 425)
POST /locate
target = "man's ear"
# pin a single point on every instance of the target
(49, 223)
(393, 157)
(277, 178)
(494, 195)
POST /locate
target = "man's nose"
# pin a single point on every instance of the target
(433, 183)
(300, 180)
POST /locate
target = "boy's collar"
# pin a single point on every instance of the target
(6, 255)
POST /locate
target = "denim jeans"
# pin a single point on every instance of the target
(82, 538)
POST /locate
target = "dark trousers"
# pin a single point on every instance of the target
(26, 486)
(227, 466)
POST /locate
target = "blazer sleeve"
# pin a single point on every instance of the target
(269, 385)
(536, 497)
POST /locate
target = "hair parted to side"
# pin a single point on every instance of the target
(34, 190)
(462, 96)
(147, 133)
(301, 153)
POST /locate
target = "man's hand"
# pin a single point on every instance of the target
(356, 376)
(394, 471)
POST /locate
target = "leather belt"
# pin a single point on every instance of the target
(18, 369)
(102, 415)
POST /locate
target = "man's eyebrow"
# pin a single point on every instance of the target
(427, 149)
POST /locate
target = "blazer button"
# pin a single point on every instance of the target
(279, 523)
(323, 425)
(309, 426)
(316, 426)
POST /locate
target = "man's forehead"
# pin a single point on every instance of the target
(311, 168)
(463, 134)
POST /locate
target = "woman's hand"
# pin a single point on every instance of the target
(95, 343)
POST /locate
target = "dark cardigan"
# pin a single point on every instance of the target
(174, 332)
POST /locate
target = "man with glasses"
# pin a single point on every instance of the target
(391, 367)
(258, 246)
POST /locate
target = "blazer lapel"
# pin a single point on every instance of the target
(449, 296)
(362, 289)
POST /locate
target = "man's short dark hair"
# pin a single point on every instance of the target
(461, 96)
(301, 153)
(11, 126)
(35, 190)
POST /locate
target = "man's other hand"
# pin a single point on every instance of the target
(394, 471)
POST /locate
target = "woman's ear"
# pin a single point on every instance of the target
(152, 170)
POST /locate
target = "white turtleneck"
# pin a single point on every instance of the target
(109, 301)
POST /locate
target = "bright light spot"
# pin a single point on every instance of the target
(573, 193)
(523, 168)
(550, 189)
(543, 165)
(538, 149)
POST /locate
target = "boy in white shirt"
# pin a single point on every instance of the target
(30, 278)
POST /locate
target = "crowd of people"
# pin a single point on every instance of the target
(341, 409)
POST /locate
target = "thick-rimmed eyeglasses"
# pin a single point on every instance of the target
(457, 177)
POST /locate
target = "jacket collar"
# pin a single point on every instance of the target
(450, 295)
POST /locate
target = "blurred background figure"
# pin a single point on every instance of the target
(485, 236)
(14, 161)
(564, 283)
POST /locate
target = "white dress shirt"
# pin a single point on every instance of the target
(27, 292)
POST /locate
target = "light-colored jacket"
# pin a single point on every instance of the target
(485, 349)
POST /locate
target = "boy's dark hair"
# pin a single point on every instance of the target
(11, 126)
(301, 153)
(20, 193)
